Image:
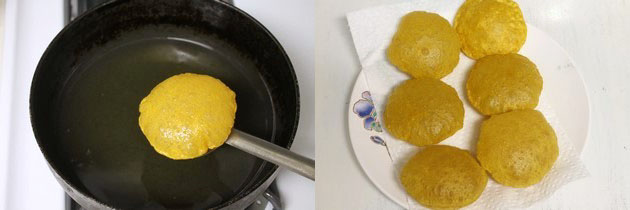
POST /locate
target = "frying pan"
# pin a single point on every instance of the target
(90, 80)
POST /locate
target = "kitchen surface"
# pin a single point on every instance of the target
(29, 26)
(593, 34)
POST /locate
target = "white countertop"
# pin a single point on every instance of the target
(29, 26)
(593, 33)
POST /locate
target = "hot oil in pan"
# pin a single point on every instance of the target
(110, 155)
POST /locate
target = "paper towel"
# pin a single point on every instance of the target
(372, 30)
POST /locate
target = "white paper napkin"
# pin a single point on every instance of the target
(372, 30)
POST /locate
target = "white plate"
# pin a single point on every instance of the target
(561, 81)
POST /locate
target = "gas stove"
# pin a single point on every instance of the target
(30, 25)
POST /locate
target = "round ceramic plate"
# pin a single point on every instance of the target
(561, 81)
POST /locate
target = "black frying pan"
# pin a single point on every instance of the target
(89, 82)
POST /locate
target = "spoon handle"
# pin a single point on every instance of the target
(272, 153)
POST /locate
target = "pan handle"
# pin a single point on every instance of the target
(272, 153)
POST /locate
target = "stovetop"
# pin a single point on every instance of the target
(29, 25)
(268, 200)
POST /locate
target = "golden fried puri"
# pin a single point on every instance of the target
(423, 111)
(443, 176)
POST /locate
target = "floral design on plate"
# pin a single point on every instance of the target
(378, 140)
(364, 108)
